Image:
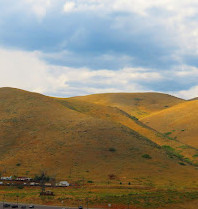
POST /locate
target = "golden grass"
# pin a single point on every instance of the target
(75, 143)
(136, 104)
(179, 121)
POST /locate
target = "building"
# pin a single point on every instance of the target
(48, 184)
(23, 179)
(62, 184)
(6, 178)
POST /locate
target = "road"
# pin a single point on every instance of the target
(38, 206)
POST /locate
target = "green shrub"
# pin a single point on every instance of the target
(167, 133)
(181, 163)
(112, 149)
(147, 156)
(20, 186)
(168, 148)
(196, 155)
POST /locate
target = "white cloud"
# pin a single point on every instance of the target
(185, 71)
(69, 6)
(188, 94)
(27, 71)
(39, 7)
(177, 17)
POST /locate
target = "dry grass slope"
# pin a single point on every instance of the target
(40, 133)
(179, 121)
(136, 104)
(114, 114)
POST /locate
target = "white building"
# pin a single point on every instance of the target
(6, 178)
(62, 184)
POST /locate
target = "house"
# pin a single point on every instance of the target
(62, 184)
(23, 179)
(48, 184)
(6, 178)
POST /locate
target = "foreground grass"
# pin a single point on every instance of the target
(100, 196)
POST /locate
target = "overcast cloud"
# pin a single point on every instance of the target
(77, 47)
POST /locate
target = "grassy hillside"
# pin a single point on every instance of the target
(179, 122)
(114, 114)
(136, 104)
(39, 133)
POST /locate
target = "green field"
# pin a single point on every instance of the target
(100, 196)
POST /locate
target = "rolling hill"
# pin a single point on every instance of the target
(179, 122)
(41, 133)
(196, 98)
(136, 104)
(114, 114)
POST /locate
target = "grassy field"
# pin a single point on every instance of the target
(101, 196)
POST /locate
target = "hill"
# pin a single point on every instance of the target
(196, 98)
(114, 114)
(136, 104)
(179, 122)
(39, 133)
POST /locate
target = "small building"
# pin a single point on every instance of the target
(62, 184)
(6, 178)
(23, 179)
(32, 183)
(48, 184)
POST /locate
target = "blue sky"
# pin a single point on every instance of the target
(77, 47)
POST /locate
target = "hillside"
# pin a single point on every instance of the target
(196, 98)
(114, 114)
(179, 122)
(39, 133)
(136, 104)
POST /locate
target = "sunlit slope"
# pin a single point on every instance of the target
(136, 104)
(116, 115)
(38, 133)
(180, 121)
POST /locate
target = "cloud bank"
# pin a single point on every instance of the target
(76, 47)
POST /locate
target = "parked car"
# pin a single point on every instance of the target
(6, 205)
(14, 206)
(31, 206)
(80, 207)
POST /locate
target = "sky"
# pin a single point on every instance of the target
(69, 48)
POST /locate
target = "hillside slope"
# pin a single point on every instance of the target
(38, 133)
(196, 98)
(114, 114)
(180, 121)
(136, 104)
